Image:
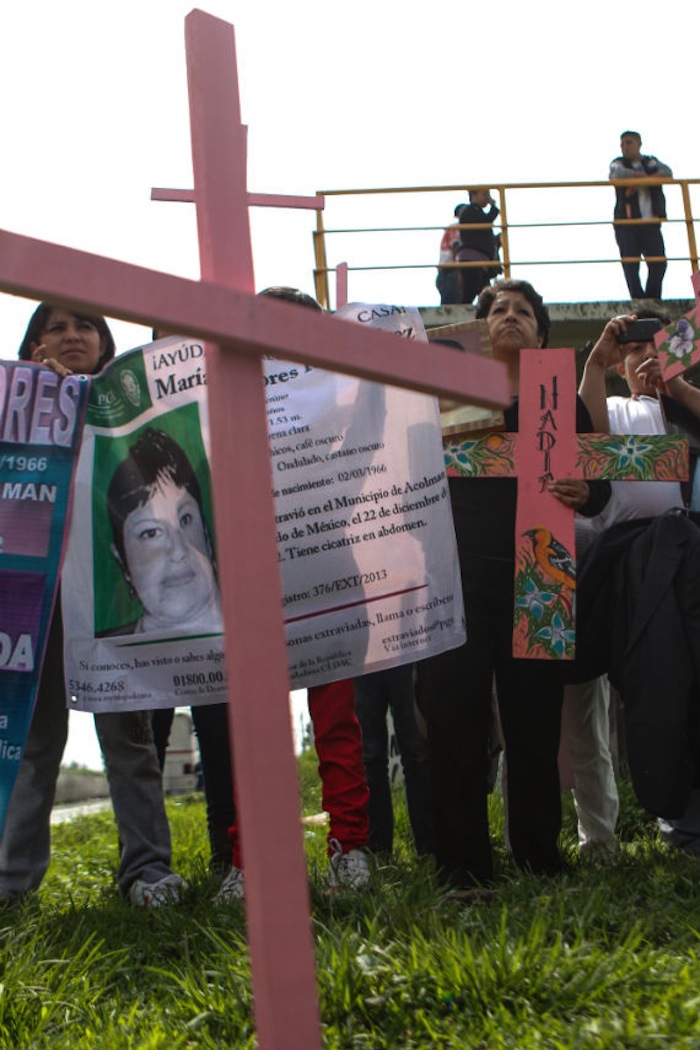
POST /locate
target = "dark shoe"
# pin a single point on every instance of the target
(221, 849)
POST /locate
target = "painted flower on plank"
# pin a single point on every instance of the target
(681, 342)
(534, 600)
(633, 452)
(464, 456)
(558, 635)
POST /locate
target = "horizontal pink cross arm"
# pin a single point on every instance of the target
(224, 315)
(614, 457)
(255, 200)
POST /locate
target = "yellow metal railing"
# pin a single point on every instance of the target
(508, 195)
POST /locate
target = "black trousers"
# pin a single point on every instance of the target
(454, 691)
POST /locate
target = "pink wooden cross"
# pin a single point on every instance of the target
(546, 447)
(222, 309)
(678, 345)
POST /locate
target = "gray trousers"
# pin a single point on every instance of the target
(134, 779)
(586, 726)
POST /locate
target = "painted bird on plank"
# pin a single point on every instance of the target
(552, 557)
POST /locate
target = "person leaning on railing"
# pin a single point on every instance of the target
(640, 202)
(478, 244)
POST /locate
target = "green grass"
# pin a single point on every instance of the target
(606, 957)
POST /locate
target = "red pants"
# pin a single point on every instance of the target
(344, 791)
(338, 739)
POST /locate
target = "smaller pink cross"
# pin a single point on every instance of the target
(546, 447)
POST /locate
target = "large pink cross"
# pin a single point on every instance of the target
(240, 328)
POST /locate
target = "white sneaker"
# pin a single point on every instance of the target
(167, 890)
(231, 889)
(349, 870)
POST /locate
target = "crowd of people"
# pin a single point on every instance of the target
(443, 707)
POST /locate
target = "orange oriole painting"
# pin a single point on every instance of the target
(552, 557)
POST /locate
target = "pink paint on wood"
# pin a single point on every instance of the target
(255, 200)
(37, 269)
(279, 930)
(341, 285)
(678, 345)
(546, 450)
(279, 200)
(161, 193)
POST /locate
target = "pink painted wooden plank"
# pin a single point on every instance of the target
(633, 457)
(341, 285)
(279, 200)
(162, 193)
(545, 551)
(678, 345)
(617, 457)
(279, 931)
(255, 200)
(207, 310)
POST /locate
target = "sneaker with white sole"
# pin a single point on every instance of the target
(167, 890)
(231, 889)
(348, 870)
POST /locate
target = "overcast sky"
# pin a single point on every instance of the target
(368, 94)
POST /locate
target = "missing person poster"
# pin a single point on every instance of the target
(364, 529)
(41, 418)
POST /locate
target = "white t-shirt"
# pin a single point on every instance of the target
(449, 244)
(637, 499)
(644, 200)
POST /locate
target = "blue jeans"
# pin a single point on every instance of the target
(375, 694)
(642, 241)
(211, 726)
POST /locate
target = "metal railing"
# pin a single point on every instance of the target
(508, 196)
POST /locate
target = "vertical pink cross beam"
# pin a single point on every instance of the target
(277, 907)
(221, 309)
(545, 549)
(341, 285)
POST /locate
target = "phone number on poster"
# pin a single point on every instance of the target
(199, 678)
(96, 687)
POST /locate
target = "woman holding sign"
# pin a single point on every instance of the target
(455, 688)
(76, 343)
